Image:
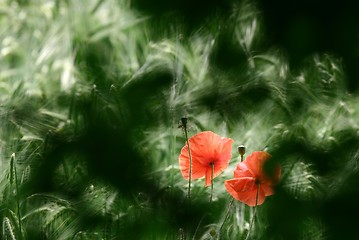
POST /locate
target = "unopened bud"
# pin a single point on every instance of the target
(241, 150)
(184, 121)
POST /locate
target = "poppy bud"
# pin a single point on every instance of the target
(241, 150)
(184, 121)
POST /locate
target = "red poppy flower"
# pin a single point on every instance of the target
(249, 175)
(207, 148)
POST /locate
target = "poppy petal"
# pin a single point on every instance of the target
(241, 190)
(208, 176)
(255, 163)
(224, 149)
(242, 184)
(203, 146)
(267, 189)
(184, 162)
(206, 148)
(242, 170)
(250, 198)
(276, 176)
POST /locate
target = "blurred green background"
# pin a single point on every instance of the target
(92, 92)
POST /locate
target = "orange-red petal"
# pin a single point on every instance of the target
(249, 175)
(184, 162)
(242, 170)
(255, 163)
(267, 189)
(209, 176)
(206, 148)
(245, 190)
(276, 175)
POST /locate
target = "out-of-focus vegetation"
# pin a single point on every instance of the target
(92, 92)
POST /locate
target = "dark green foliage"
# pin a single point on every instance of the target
(305, 27)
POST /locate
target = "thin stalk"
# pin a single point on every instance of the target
(184, 125)
(212, 173)
(198, 226)
(226, 216)
(17, 193)
(172, 153)
(172, 133)
(254, 214)
(97, 6)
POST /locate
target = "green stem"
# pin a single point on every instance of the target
(226, 216)
(254, 214)
(184, 124)
(212, 173)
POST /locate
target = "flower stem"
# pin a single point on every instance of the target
(184, 125)
(254, 214)
(212, 173)
(226, 216)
